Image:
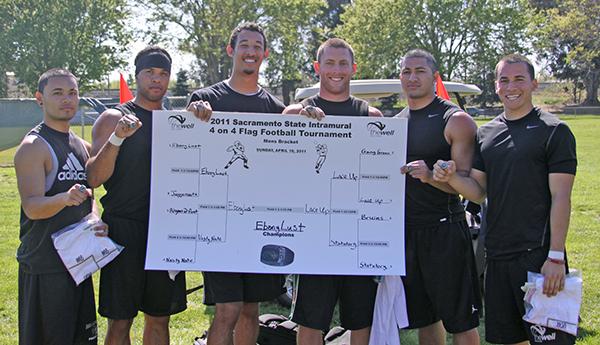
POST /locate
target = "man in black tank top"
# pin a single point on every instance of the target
(236, 295)
(52, 184)
(317, 295)
(525, 164)
(121, 151)
(441, 280)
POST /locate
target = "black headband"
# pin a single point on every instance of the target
(153, 59)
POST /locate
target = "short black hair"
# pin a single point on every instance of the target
(517, 58)
(248, 26)
(420, 53)
(335, 43)
(51, 73)
(151, 49)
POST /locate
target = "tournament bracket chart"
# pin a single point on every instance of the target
(277, 193)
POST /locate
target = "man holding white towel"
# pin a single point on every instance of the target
(525, 164)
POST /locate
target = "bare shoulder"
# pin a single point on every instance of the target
(106, 122)
(375, 112)
(461, 124)
(461, 117)
(109, 116)
(32, 149)
(293, 109)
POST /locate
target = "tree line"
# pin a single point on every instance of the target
(467, 37)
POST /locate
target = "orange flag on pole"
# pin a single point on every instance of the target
(440, 89)
(124, 92)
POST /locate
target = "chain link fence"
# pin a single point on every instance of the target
(18, 116)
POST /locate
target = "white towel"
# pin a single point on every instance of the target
(82, 252)
(173, 274)
(390, 312)
(559, 312)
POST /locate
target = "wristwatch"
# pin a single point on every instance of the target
(276, 255)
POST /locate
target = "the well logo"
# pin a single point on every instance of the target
(177, 122)
(377, 129)
(539, 334)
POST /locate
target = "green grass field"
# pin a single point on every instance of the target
(583, 245)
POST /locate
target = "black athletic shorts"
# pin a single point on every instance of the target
(315, 297)
(126, 288)
(504, 302)
(226, 287)
(54, 311)
(441, 277)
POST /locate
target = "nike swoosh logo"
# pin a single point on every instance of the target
(432, 115)
(531, 127)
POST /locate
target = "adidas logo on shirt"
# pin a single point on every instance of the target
(72, 170)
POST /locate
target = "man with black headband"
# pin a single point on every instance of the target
(121, 152)
(153, 60)
(236, 295)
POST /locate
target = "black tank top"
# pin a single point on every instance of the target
(352, 106)
(425, 204)
(36, 253)
(128, 188)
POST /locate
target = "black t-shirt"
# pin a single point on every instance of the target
(37, 254)
(517, 157)
(425, 204)
(223, 98)
(128, 188)
(351, 107)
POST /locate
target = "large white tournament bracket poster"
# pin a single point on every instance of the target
(273, 193)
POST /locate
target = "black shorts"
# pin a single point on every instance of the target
(53, 311)
(315, 297)
(504, 302)
(226, 287)
(441, 277)
(126, 288)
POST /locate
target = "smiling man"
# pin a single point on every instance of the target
(121, 151)
(317, 295)
(525, 163)
(236, 295)
(441, 281)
